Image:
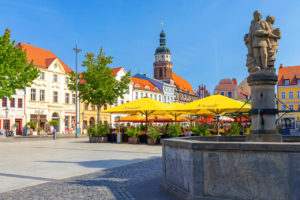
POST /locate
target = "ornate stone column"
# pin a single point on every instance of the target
(263, 111)
(262, 45)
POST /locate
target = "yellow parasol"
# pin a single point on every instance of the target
(215, 104)
(131, 118)
(145, 106)
(167, 118)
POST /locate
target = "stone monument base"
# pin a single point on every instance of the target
(264, 136)
(195, 169)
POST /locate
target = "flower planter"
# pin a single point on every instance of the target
(132, 140)
(98, 139)
(151, 141)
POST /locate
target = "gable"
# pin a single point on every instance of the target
(42, 58)
(56, 66)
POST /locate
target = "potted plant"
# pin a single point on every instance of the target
(54, 123)
(235, 129)
(97, 134)
(133, 134)
(153, 135)
(200, 130)
(31, 126)
(173, 130)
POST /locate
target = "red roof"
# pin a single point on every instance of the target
(116, 70)
(182, 84)
(226, 84)
(41, 57)
(291, 73)
(141, 84)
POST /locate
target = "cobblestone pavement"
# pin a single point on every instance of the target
(25, 164)
(105, 184)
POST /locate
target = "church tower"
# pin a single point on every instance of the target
(162, 64)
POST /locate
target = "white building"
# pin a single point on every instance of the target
(144, 88)
(12, 113)
(49, 98)
(127, 97)
(167, 89)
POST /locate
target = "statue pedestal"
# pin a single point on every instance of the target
(263, 111)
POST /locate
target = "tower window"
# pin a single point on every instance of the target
(160, 72)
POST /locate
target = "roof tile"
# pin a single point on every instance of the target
(182, 84)
(41, 57)
(143, 83)
(292, 73)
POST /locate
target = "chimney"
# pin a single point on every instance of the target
(280, 66)
(144, 74)
(234, 81)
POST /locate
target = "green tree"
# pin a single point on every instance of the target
(15, 71)
(97, 85)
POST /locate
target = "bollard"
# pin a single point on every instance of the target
(54, 134)
(119, 135)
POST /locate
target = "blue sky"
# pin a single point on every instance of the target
(205, 37)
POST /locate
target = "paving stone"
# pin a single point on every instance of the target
(108, 184)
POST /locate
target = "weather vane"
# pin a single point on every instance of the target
(162, 24)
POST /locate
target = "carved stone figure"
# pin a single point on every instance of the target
(275, 34)
(262, 43)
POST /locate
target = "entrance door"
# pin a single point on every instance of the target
(18, 123)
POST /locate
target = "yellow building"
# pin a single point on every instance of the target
(88, 116)
(288, 90)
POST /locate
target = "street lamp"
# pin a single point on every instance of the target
(82, 122)
(76, 52)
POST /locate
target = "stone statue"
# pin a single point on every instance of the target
(262, 43)
(273, 37)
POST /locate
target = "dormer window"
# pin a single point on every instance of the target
(156, 88)
(137, 85)
(286, 81)
(147, 87)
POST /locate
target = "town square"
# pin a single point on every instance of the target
(158, 100)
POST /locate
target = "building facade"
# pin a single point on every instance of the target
(49, 98)
(228, 88)
(163, 71)
(12, 113)
(167, 89)
(288, 91)
(88, 116)
(202, 91)
(127, 97)
(145, 88)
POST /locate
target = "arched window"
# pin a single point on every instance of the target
(92, 121)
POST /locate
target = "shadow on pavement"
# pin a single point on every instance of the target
(27, 177)
(103, 163)
(105, 150)
(139, 181)
(149, 189)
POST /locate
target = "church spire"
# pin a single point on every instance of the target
(162, 39)
(162, 49)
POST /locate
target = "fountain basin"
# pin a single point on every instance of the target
(201, 168)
